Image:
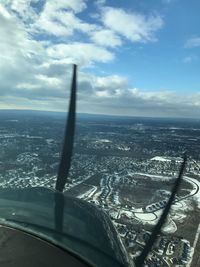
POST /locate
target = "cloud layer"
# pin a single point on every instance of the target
(133, 26)
(39, 40)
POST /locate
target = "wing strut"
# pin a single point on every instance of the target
(66, 157)
(140, 260)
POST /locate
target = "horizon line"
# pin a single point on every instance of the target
(100, 114)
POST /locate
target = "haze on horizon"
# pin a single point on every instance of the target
(135, 58)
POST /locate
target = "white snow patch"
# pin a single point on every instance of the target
(169, 227)
(129, 214)
(155, 177)
(160, 158)
(146, 216)
(103, 141)
(196, 197)
(89, 193)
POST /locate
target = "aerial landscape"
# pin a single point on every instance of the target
(125, 166)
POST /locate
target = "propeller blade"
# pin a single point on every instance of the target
(140, 260)
(66, 157)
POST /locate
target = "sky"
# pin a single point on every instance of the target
(134, 57)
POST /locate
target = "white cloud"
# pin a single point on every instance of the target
(28, 66)
(100, 2)
(56, 5)
(4, 13)
(193, 42)
(106, 37)
(27, 86)
(70, 20)
(83, 54)
(22, 8)
(56, 17)
(59, 21)
(51, 26)
(76, 6)
(113, 95)
(111, 82)
(49, 81)
(134, 26)
(18, 51)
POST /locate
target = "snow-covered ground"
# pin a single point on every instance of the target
(160, 158)
(88, 193)
(170, 227)
(197, 195)
(168, 159)
(146, 216)
(155, 177)
(177, 214)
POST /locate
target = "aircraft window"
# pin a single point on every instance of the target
(100, 132)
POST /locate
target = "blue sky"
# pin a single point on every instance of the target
(137, 58)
